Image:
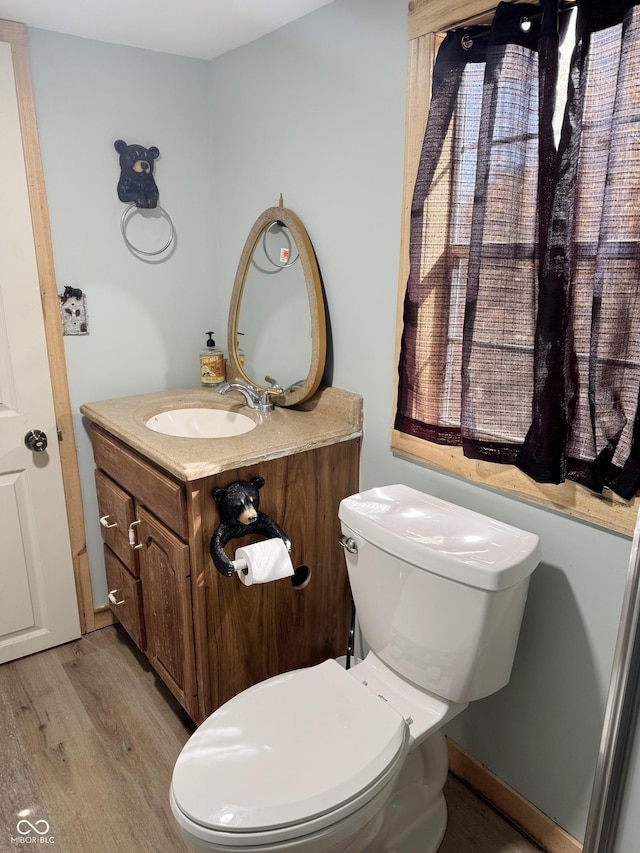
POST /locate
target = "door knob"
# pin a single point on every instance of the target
(36, 440)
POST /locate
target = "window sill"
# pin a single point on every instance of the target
(608, 510)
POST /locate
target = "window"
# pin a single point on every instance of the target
(484, 312)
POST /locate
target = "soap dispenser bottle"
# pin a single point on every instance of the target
(211, 363)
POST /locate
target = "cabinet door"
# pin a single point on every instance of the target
(117, 513)
(166, 593)
(125, 599)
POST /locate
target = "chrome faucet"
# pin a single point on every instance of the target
(254, 399)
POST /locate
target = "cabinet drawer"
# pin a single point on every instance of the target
(117, 513)
(126, 591)
(163, 496)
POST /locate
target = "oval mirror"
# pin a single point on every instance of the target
(277, 333)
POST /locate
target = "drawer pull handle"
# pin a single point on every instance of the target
(113, 597)
(104, 521)
(132, 536)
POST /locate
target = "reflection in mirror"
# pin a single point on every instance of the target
(270, 305)
(277, 307)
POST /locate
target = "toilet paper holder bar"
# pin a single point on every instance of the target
(239, 565)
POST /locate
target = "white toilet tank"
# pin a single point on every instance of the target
(439, 590)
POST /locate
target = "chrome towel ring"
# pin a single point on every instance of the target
(123, 228)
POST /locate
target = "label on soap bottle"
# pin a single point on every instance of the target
(212, 368)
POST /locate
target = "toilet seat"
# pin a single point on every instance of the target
(289, 756)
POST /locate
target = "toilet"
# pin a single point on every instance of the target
(333, 760)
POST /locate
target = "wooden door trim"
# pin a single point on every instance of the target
(16, 35)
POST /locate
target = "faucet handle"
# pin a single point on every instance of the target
(274, 386)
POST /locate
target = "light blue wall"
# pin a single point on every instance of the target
(314, 111)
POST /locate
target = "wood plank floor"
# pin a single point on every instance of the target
(88, 740)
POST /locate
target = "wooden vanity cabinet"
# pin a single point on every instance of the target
(208, 636)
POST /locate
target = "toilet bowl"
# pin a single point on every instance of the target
(312, 756)
(329, 760)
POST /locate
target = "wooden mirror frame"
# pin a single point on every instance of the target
(314, 293)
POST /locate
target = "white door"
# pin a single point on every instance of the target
(38, 605)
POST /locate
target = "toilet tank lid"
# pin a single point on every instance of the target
(441, 537)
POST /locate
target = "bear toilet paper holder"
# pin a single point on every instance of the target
(240, 515)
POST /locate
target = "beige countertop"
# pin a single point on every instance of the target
(330, 416)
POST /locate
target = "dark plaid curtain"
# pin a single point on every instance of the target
(521, 320)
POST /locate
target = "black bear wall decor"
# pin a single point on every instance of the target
(240, 515)
(137, 183)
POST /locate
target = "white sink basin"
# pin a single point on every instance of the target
(201, 423)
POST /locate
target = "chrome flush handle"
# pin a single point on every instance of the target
(349, 544)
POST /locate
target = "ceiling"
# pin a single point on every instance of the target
(202, 29)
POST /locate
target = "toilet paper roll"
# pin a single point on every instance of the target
(265, 561)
